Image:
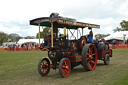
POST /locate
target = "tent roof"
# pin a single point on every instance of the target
(118, 36)
(21, 41)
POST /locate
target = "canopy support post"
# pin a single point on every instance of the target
(65, 31)
(39, 35)
(77, 33)
(82, 31)
(51, 34)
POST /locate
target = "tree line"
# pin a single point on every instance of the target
(13, 37)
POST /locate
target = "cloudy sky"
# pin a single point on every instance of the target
(15, 14)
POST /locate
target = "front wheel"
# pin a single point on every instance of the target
(64, 67)
(44, 66)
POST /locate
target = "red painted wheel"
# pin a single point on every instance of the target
(89, 57)
(44, 66)
(83, 41)
(64, 67)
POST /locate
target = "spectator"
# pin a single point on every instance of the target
(102, 45)
(96, 42)
(29, 47)
(117, 43)
(113, 42)
(14, 47)
(25, 47)
(103, 40)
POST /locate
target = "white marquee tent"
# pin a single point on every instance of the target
(21, 41)
(118, 36)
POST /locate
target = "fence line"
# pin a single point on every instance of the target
(120, 46)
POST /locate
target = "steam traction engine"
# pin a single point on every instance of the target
(65, 53)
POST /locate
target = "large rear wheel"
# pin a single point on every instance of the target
(64, 67)
(89, 57)
(44, 66)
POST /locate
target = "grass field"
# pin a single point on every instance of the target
(20, 68)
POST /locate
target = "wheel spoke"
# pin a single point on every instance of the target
(63, 66)
(42, 63)
(92, 65)
(92, 61)
(89, 64)
(93, 54)
(46, 65)
(64, 71)
(44, 71)
(89, 50)
(45, 62)
(88, 54)
(88, 58)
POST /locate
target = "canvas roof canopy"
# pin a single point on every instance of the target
(62, 22)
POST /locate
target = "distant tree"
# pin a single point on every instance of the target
(117, 29)
(13, 37)
(124, 26)
(29, 37)
(46, 31)
(105, 35)
(100, 36)
(3, 37)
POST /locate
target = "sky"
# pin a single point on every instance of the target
(16, 14)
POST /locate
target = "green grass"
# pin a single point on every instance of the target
(122, 81)
(20, 64)
(20, 68)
